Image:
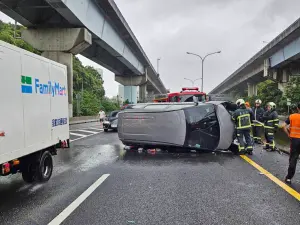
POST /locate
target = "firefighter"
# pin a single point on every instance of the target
(243, 119)
(294, 134)
(257, 128)
(271, 123)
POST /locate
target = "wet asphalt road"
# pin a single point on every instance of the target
(143, 188)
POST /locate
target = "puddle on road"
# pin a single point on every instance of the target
(84, 158)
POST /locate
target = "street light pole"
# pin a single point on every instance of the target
(193, 81)
(202, 62)
(158, 59)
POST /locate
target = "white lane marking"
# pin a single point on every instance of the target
(67, 211)
(80, 135)
(95, 128)
(87, 131)
(98, 129)
(84, 137)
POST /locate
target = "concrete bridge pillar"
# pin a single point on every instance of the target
(130, 93)
(60, 45)
(134, 80)
(143, 93)
(252, 89)
(283, 81)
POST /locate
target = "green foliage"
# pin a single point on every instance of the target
(126, 102)
(293, 89)
(268, 91)
(7, 35)
(83, 76)
(109, 105)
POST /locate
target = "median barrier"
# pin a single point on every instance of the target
(83, 119)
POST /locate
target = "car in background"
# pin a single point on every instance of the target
(111, 121)
(133, 106)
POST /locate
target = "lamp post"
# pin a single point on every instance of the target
(202, 60)
(158, 59)
(193, 81)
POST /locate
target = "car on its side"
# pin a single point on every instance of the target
(202, 126)
(111, 121)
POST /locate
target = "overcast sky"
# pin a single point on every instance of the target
(169, 28)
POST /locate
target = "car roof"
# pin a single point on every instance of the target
(159, 107)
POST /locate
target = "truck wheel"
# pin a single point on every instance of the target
(29, 173)
(45, 167)
(105, 130)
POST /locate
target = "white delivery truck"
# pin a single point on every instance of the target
(33, 113)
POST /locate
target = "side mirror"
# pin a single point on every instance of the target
(195, 100)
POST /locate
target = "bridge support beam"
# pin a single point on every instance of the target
(60, 45)
(137, 80)
(252, 89)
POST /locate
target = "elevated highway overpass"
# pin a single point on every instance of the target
(94, 28)
(277, 61)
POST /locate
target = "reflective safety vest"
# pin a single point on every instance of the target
(271, 120)
(242, 119)
(295, 125)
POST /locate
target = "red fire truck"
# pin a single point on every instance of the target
(186, 95)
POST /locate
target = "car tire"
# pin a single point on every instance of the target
(105, 130)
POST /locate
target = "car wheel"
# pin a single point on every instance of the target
(105, 130)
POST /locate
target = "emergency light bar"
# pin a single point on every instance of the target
(160, 96)
(190, 89)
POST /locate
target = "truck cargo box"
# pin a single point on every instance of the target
(33, 103)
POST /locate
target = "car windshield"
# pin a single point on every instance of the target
(113, 114)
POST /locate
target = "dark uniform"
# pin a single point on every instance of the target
(294, 122)
(243, 120)
(257, 129)
(271, 124)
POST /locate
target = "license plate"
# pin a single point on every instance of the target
(113, 126)
(106, 122)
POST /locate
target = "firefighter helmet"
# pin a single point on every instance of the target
(272, 104)
(257, 101)
(240, 102)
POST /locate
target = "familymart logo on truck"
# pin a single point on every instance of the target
(49, 88)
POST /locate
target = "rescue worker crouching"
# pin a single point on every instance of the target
(271, 123)
(257, 128)
(243, 120)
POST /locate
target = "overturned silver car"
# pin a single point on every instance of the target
(203, 126)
